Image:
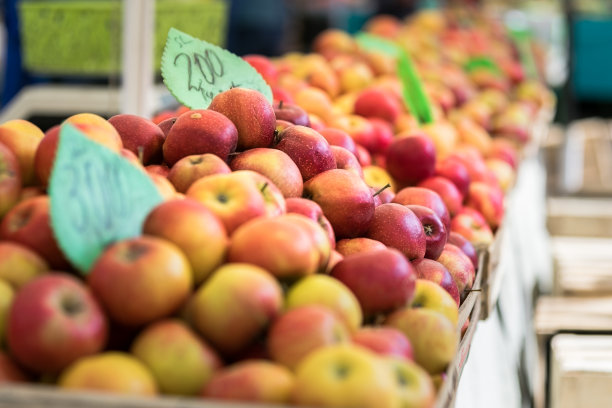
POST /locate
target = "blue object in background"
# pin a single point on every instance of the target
(592, 58)
(14, 77)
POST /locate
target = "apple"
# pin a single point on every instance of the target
(181, 362)
(7, 294)
(141, 279)
(506, 150)
(350, 246)
(197, 132)
(344, 375)
(318, 235)
(382, 280)
(378, 103)
(455, 171)
(281, 246)
(436, 234)
(472, 226)
(194, 229)
(264, 66)
(230, 326)
(363, 156)
(377, 177)
(489, 201)
(160, 169)
(308, 149)
(430, 295)
(191, 168)
(434, 338)
(22, 138)
(300, 331)
(29, 192)
(96, 128)
(29, 224)
(250, 112)
(275, 165)
(256, 380)
(354, 76)
(334, 258)
(503, 173)
(346, 160)
(384, 25)
(397, 226)
(345, 199)
(53, 321)
(312, 210)
(444, 136)
(436, 272)
(10, 180)
(425, 197)
(385, 341)
(334, 41)
(359, 128)
(446, 189)
(338, 137)
(166, 124)
(10, 372)
(411, 158)
(113, 372)
(291, 113)
(315, 101)
(465, 246)
(163, 185)
(326, 291)
(416, 388)
(139, 135)
(460, 267)
(45, 154)
(383, 136)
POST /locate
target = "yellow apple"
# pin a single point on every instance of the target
(19, 264)
(377, 177)
(415, 386)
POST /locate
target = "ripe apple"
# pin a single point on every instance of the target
(447, 190)
(489, 201)
(291, 113)
(29, 224)
(314, 101)
(197, 132)
(318, 235)
(397, 226)
(194, 229)
(139, 135)
(312, 210)
(7, 294)
(444, 136)
(416, 388)
(503, 172)
(252, 114)
(377, 177)
(299, 331)
(345, 199)
(181, 362)
(45, 155)
(385, 341)
(163, 185)
(506, 150)
(141, 279)
(383, 136)
(455, 171)
(53, 321)
(112, 371)
(363, 156)
(465, 246)
(10, 372)
(22, 138)
(436, 272)
(338, 137)
(308, 149)
(233, 326)
(425, 197)
(326, 291)
(264, 66)
(460, 267)
(96, 128)
(275, 165)
(259, 381)
(430, 295)
(191, 168)
(359, 128)
(346, 160)
(382, 280)
(411, 158)
(334, 258)
(10, 180)
(472, 226)
(433, 337)
(350, 246)
(435, 232)
(378, 103)
(344, 375)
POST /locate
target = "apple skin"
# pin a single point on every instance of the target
(430, 295)
(7, 294)
(363, 156)
(346, 160)
(385, 341)
(397, 226)
(29, 224)
(383, 136)
(489, 201)
(435, 232)
(382, 280)
(377, 103)
(434, 338)
(460, 268)
(197, 132)
(181, 362)
(193, 228)
(326, 291)
(317, 382)
(230, 326)
(113, 372)
(10, 372)
(255, 381)
(504, 149)
(427, 198)
(264, 66)
(312, 210)
(252, 114)
(464, 245)
(350, 246)
(54, 320)
(299, 331)
(45, 155)
(308, 149)
(472, 226)
(22, 138)
(166, 124)
(359, 128)
(455, 171)
(152, 267)
(275, 165)
(345, 199)
(436, 272)
(138, 133)
(338, 137)
(446, 189)
(10, 180)
(416, 388)
(291, 113)
(411, 159)
(96, 128)
(191, 168)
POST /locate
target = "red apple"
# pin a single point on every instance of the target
(359, 128)
(281, 94)
(363, 156)
(464, 245)
(383, 137)
(191, 168)
(489, 201)
(378, 103)
(396, 226)
(10, 372)
(411, 158)
(436, 234)
(139, 135)
(472, 226)
(291, 113)
(338, 137)
(447, 190)
(425, 197)
(22, 138)
(436, 272)
(312, 210)
(10, 180)
(384, 341)
(454, 170)
(382, 280)
(350, 246)
(264, 66)
(460, 268)
(54, 321)
(159, 169)
(346, 160)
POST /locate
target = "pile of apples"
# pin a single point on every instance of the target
(313, 251)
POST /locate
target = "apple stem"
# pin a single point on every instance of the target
(263, 188)
(276, 137)
(280, 104)
(140, 154)
(386, 186)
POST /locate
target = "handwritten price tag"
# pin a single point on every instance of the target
(97, 198)
(195, 71)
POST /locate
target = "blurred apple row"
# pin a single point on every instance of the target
(313, 251)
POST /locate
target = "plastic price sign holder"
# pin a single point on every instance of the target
(97, 197)
(195, 71)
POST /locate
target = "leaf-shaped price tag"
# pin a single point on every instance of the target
(97, 197)
(414, 94)
(371, 42)
(195, 71)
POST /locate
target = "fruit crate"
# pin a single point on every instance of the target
(71, 37)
